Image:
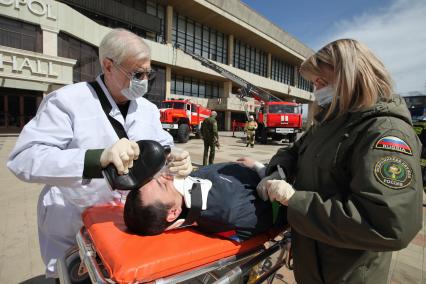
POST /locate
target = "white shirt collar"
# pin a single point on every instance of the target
(184, 186)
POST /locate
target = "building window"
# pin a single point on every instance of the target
(193, 87)
(304, 84)
(155, 9)
(17, 108)
(87, 66)
(157, 87)
(282, 72)
(250, 59)
(199, 39)
(20, 35)
(146, 6)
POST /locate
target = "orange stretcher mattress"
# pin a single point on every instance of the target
(131, 258)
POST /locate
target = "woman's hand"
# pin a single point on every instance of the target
(279, 190)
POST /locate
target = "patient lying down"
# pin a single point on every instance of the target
(219, 198)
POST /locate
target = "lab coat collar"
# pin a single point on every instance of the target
(115, 111)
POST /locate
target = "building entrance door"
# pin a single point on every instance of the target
(17, 107)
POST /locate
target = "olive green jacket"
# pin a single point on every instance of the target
(358, 194)
(209, 130)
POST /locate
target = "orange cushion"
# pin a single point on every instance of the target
(130, 258)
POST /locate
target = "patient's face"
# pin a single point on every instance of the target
(161, 189)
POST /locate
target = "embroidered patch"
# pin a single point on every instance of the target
(392, 143)
(393, 172)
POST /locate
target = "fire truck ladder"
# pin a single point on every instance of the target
(247, 89)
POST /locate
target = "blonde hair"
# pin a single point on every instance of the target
(360, 79)
(121, 44)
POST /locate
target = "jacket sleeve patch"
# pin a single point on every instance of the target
(395, 144)
(393, 172)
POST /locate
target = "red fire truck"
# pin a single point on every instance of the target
(181, 117)
(276, 118)
(279, 120)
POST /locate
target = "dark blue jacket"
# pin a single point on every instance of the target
(232, 203)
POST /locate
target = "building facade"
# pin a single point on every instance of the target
(46, 44)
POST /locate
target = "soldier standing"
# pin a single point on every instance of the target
(210, 137)
(250, 129)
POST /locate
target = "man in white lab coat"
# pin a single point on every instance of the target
(71, 139)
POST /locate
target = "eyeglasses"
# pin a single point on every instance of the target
(139, 74)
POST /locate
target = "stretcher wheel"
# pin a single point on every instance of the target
(77, 273)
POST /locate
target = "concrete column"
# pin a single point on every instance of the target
(168, 81)
(269, 66)
(227, 89)
(228, 122)
(50, 41)
(169, 23)
(230, 50)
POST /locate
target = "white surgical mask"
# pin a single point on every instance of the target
(325, 95)
(137, 88)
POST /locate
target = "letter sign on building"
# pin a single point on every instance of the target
(36, 7)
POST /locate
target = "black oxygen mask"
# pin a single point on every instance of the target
(151, 160)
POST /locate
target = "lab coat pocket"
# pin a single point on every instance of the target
(61, 221)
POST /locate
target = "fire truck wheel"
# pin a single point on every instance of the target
(183, 133)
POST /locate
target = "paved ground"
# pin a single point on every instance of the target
(20, 261)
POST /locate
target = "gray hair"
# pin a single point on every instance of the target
(214, 114)
(121, 44)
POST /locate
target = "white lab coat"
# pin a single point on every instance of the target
(51, 150)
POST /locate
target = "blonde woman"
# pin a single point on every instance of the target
(354, 188)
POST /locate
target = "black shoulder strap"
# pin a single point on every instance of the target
(196, 205)
(106, 106)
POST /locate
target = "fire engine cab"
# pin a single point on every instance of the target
(181, 117)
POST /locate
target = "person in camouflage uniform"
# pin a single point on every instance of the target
(250, 129)
(353, 186)
(210, 137)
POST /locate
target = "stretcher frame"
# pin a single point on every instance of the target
(241, 264)
(115, 261)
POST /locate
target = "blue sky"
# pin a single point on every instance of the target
(394, 29)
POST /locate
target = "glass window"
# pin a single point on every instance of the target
(166, 105)
(202, 89)
(187, 86)
(20, 35)
(179, 85)
(282, 72)
(151, 8)
(249, 58)
(87, 66)
(304, 84)
(194, 87)
(154, 8)
(282, 109)
(178, 105)
(200, 39)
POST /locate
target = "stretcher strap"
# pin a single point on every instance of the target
(196, 205)
(106, 106)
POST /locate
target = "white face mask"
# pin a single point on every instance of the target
(325, 95)
(137, 88)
